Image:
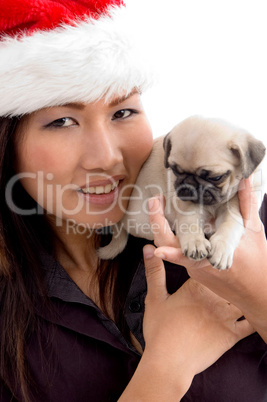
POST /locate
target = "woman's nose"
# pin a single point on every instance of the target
(101, 150)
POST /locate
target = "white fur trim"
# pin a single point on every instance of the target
(80, 63)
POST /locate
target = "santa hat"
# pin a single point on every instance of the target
(54, 52)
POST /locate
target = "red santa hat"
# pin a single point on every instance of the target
(54, 52)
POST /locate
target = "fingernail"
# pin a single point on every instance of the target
(160, 255)
(151, 203)
(251, 179)
(148, 252)
(154, 205)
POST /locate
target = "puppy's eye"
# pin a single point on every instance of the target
(216, 178)
(176, 169)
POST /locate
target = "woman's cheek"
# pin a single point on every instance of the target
(143, 146)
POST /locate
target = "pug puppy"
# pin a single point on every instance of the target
(197, 167)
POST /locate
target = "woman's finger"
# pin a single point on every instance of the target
(243, 329)
(249, 206)
(176, 256)
(155, 275)
(162, 232)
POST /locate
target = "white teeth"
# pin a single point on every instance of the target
(101, 189)
(108, 188)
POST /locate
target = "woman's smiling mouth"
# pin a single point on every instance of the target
(105, 193)
(100, 189)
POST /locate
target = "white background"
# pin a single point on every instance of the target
(210, 58)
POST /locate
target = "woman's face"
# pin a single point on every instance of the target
(79, 161)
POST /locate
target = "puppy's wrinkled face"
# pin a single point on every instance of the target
(208, 158)
(202, 187)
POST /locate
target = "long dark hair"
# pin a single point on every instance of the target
(20, 270)
(22, 286)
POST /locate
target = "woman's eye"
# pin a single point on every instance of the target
(62, 122)
(123, 114)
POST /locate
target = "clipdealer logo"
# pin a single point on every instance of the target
(50, 200)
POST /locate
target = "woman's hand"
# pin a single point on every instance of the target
(185, 333)
(193, 324)
(245, 283)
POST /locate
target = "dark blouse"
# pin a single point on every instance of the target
(86, 358)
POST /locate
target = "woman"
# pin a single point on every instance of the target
(74, 137)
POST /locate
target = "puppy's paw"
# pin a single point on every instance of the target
(221, 255)
(195, 247)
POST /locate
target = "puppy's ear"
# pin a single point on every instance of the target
(250, 152)
(167, 146)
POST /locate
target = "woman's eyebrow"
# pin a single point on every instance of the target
(120, 99)
(75, 105)
(114, 102)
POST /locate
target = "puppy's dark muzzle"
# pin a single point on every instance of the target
(196, 193)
